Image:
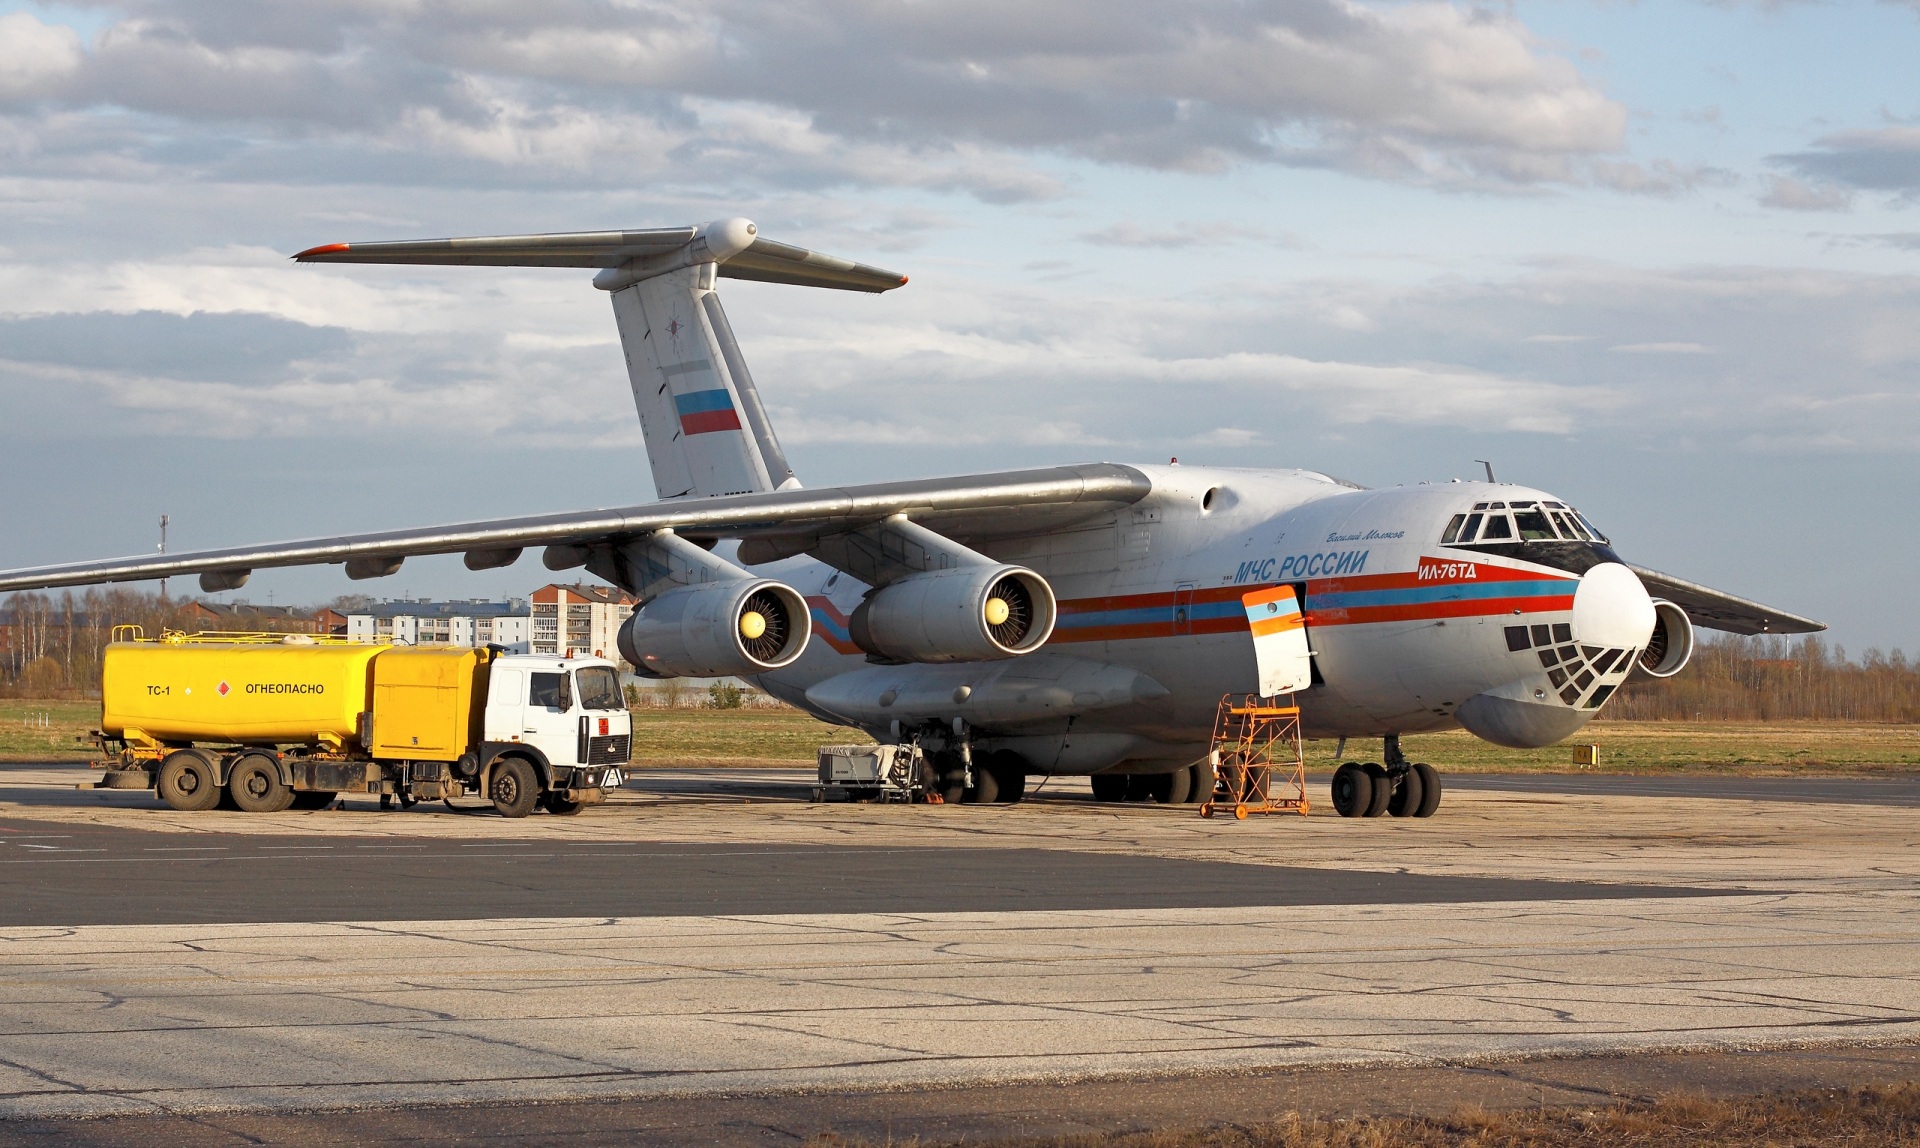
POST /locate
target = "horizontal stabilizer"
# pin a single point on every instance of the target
(734, 244)
(1717, 610)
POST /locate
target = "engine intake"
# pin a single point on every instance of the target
(718, 629)
(1671, 647)
(967, 614)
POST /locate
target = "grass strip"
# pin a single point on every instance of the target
(1876, 1116)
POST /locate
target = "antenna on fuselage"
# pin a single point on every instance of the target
(1489, 466)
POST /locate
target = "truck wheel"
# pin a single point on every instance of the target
(560, 806)
(187, 782)
(514, 788)
(254, 782)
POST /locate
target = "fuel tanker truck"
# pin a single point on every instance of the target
(263, 722)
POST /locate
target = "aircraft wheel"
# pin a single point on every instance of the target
(1179, 786)
(560, 806)
(515, 788)
(1429, 789)
(1009, 776)
(986, 787)
(1154, 787)
(187, 782)
(1200, 785)
(1407, 791)
(254, 782)
(312, 799)
(1259, 778)
(1109, 786)
(1382, 789)
(1352, 790)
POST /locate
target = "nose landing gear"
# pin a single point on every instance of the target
(1400, 787)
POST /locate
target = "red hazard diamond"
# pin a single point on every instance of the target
(223, 688)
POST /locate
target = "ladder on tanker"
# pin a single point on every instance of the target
(1253, 739)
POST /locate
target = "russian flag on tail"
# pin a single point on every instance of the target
(703, 411)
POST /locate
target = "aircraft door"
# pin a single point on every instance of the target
(1279, 631)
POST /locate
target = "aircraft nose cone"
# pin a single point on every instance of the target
(1611, 608)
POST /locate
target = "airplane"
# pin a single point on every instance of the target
(1081, 619)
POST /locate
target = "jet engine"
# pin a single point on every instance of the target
(718, 629)
(966, 614)
(1671, 646)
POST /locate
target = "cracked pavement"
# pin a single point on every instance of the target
(1807, 937)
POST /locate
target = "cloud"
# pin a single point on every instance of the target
(1661, 349)
(1880, 159)
(1799, 195)
(35, 57)
(968, 96)
(234, 347)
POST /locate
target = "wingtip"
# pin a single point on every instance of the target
(324, 249)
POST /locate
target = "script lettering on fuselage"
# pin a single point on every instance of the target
(1328, 564)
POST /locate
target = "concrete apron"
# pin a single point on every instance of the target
(104, 1020)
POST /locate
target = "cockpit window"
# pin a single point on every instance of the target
(1533, 525)
(1496, 522)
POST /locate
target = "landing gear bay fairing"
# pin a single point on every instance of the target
(1081, 619)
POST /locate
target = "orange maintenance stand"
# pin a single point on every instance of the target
(1252, 737)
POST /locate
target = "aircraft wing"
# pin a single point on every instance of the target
(1008, 504)
(1716, 610)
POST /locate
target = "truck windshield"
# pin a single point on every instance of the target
(599, 689)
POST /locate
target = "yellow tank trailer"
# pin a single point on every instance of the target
(263, 722)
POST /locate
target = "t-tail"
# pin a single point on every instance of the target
(707, 432)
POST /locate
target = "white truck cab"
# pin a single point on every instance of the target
(567, 716)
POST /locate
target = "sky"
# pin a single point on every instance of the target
(1662, 259)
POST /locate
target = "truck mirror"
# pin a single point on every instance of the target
(566, 692)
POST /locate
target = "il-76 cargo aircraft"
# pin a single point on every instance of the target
(1082, 619)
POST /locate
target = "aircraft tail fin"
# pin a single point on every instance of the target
(706, 431)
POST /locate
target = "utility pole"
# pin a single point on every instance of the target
(163, 550)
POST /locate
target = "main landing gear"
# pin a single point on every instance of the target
(1189, 785)
(1400, 787)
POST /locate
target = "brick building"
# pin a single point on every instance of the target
(580, 620)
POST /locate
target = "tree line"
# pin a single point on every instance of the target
(50, 645)
(1771, 678)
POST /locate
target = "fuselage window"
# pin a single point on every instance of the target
(1534, 526)
(1591, 528)
(1569, 526)
(1453, 530)
(1498, 526)
(1473, 524)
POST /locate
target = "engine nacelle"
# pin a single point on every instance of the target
(718, 629)
(1671, 647)
(967, 614)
